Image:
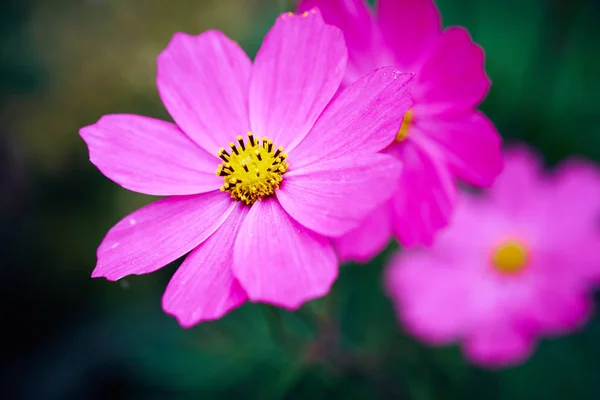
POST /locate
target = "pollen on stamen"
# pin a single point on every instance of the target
(223, 155)
(510, 257)
(405, 127)
(253, 169)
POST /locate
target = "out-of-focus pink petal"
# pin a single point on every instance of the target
(575, 200)
(149, 156)
(453, 78)
(204, 288)
(332, 197)
(366, 49)
(580, 250)
(296, 72)
(431, 296)
(561, 311)
(425, 194)
(519, 189)
(499, 345)
(278, 261)
(410, 28)
(369, 239)
(476, 225)
(559, 284)
(470, 143)
(572, 204)
(159, 233)
(362, 118)
(203, 81)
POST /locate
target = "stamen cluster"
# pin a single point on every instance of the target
(252, 169)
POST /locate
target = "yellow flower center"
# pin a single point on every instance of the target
(252, 169)
(510, 257)
(406, 123)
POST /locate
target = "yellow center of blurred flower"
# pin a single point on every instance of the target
(406, 123)
(510, 257)
(252, 169)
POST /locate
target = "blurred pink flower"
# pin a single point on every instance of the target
(257, 229)
(515, 263)
(442, 137)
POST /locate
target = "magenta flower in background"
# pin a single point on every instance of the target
(257, 228)
(443, 137)
(516, 263)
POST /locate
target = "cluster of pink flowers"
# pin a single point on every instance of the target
(350, 128)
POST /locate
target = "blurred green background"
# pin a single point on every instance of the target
(64, 63)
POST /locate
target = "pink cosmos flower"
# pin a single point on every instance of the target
(443, 137)
(257, 228)
(515, 263)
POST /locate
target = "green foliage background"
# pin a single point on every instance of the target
(64, 63)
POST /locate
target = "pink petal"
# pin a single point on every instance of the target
(278, 261)
(575, 200)
(364, 118)
(520, 187)
(149, 156)
(560, 309)
(453, 78)
(159, 233)
(425, 194)
(410, 28)
(579, 249)
(296, 72)
(369, 239)
(366, 50)
(204, 288)
(203, 81)
(574, 217)
(470, 143)
(332, 197)
(499, 345)
(431, 295)
(475, 224)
